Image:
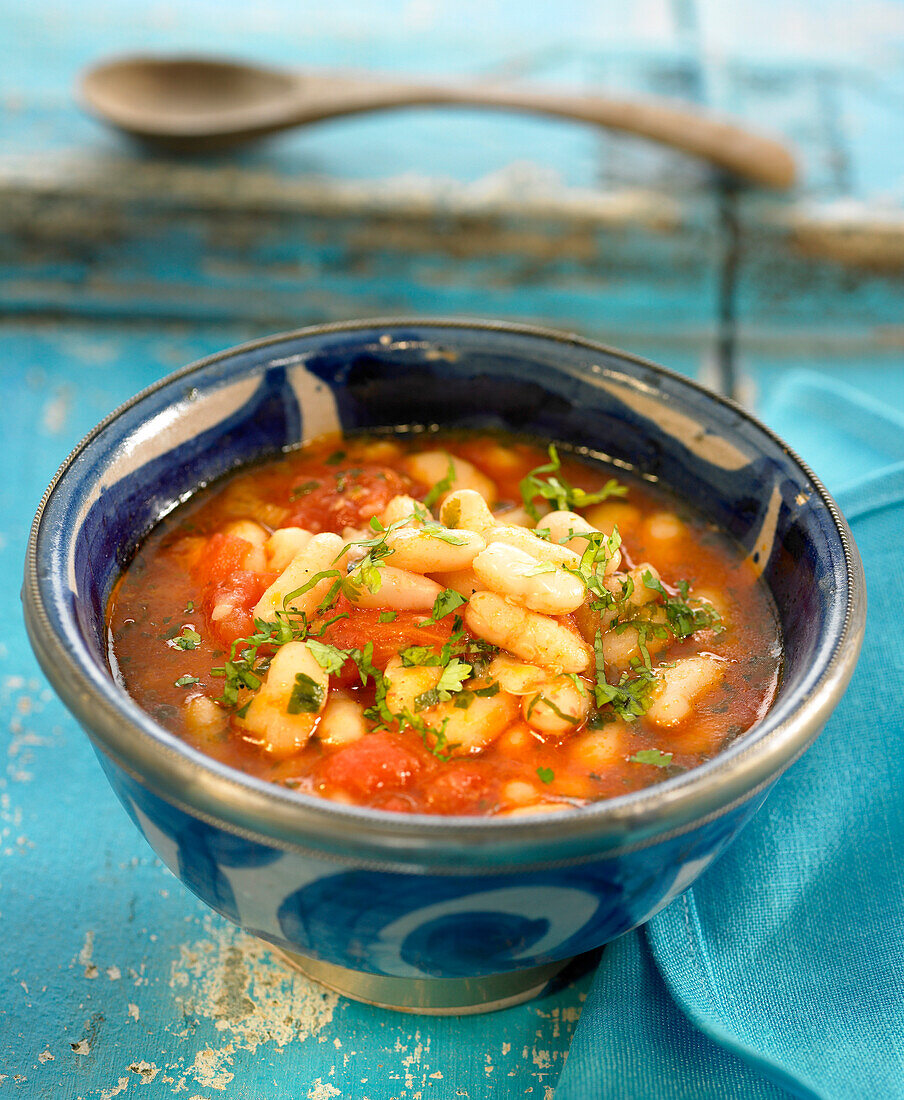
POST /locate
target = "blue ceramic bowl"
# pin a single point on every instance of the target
(427, 913)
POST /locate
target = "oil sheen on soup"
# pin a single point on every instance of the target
(454, 624)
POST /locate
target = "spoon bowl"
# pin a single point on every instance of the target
(192, 104)
(187, 98)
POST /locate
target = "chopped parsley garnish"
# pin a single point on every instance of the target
(465, 698)
(187, 681)
(546, 482)
(388, 616)
(442, 486)
(450, 682)
(188, 639)
(652, 756)
(296, 592)
(420, 655)
(591, 569)
(328, 657)
(303, 489)
(547, 775)
(570, 718)
(682, 617)
(306, 697)
(189, 607)
(335, 458)
(441, 532)
(630, 697)
(426, 699)
(489, 691)
(366, 574)
(452, 678)
(445, 603)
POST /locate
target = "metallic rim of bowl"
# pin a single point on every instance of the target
(290, 820)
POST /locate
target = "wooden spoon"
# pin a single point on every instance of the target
(193, 103)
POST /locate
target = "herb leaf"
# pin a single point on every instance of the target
(630, 697)
(547, 775)
(652, 756)
(303, 490)
(452, 678)
(442, 486)
(570, 718)
(188, 639)
(445, 603)
(186, 681)
(328, 657)
(683, 618)
(555, 488)
(306, 697)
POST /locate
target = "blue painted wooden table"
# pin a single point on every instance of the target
(117, 266)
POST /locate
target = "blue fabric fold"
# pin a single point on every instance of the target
(781, 971)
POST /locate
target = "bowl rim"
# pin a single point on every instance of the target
(276, 816)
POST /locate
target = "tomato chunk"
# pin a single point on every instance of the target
(222, 556)
(363, 626)
(347, 498)
(238, 592)
(465, 788)
(377, 762)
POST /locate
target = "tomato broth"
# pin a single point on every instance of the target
(445, 624)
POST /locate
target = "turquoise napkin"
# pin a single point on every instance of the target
(781, 971)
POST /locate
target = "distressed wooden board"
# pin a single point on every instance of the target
(454, 210)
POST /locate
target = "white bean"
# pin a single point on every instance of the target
(557, 707)
(423, 551)
(533, 637)
(607, 516)
(282, 546)
(400, 590)
(516, 515)
(567, 529)
(342, 721)
(248, 530)
(520, 793)
(531, 583)
(622, 646)
(600, 749)
(462, 581)
(255, 559)
(664, 527)
(466, 508)
(407, 508)
(631, 596)
(532, 544)
(514, 676)
(204, 719)
(681, 686)
(640, 594)
(472, 728)
(318, 556)
(268, 719)
(431, 467)
(406, 682)
(381, 450)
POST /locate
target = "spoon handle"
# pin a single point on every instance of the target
(724, 144)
